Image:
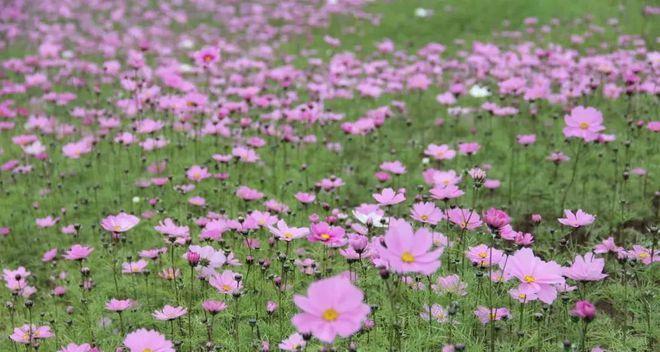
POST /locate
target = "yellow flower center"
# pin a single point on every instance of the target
(288, 235)
(208, 58)
(424, 217)
(226, 288)
(406, 257)
(325, 237)
(522, 296)
(643, 255)
(147, 350)
(440, 154)
(584, 125)
(483, 255)
(116, 228)
(493, 316)
(529, 279)
(330, 315)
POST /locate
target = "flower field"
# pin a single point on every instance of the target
(329, 175)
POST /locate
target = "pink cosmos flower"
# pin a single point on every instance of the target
(585, 123)
(120, 305)
(210, 259)
(147, 340)
(169, 313)
(464, 218)
(435, 312)
(78, 252)
(445, 193)
(558, 157)
(248, 194)
(644, 255)
(607, 246)
(72, 347)
(134, 267)
(30, 334)
(395, 167)
(440, 152)
(294, 343)
(226, 282)
(406, 251)
(332, 307)
(586, 268)
(286, 233)
(197, 173)
(389, 197)
(119, 223)
(333, 236)
(426, 212)
(169, 228)
(213, 306)
(305, 198)
(49, 255)
(487, 315)
(526, 139)
(47, 222)
(207, 56)
(579, 219)
(535, 275)
(484, 256)
(470, 148)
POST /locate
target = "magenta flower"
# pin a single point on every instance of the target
(535, 275)
(389, 197)
(121, 222)
(496, 218)
(576, 220)
(406, 251)
(586, 268)
(584, 310)
(332, 307)
(78, 252)
(147, 340)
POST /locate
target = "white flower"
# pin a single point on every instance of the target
(421, 12)
(479, 91)
(136, 199)
(372, 219)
